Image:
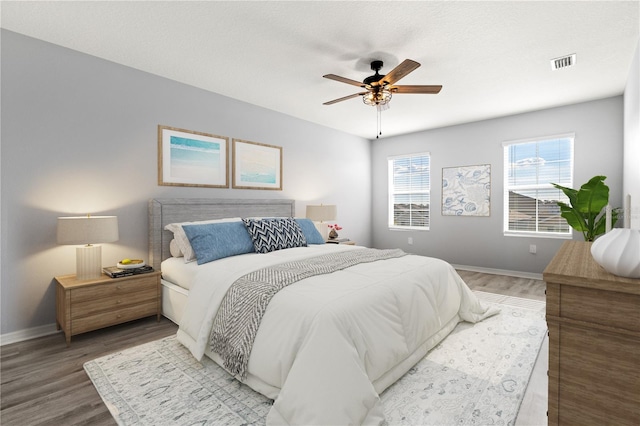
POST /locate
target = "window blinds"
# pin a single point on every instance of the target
(530, 199)
(409, 191)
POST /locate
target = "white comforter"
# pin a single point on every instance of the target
(328, 345)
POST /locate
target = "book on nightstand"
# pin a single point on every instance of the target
(115, 272)
(338, 240)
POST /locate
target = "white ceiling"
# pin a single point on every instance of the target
(492, 58)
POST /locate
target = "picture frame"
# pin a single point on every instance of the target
(190, 158)
(466, 190)
(256, 165)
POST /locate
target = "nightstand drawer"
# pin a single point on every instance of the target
(117, 300)
(114, 289)
(105, 319)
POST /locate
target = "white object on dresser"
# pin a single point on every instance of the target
(618, 252)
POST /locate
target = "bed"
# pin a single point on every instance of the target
(164, 211)
(329, 344)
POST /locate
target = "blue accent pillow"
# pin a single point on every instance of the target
(310, 231)
(274, 234)
(213, 241)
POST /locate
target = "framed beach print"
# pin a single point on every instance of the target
(256, 165)
(466, 190)
(188, 158)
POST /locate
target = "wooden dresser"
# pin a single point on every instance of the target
(83, 306)
(594, 341)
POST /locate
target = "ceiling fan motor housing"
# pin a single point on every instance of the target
(375, 66)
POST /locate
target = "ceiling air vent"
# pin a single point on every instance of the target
(563, 62)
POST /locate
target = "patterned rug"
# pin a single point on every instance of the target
(476, 376)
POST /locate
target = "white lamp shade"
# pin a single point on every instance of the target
(87, 230)
(322, 213)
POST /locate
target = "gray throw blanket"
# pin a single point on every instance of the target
(236, 323)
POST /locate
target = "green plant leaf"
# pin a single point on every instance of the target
(573, 217)
(571, 193)
(599, 227)
(593, 196)
(584, 213)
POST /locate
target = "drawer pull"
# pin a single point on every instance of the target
(118, 316)
(118, 302)
(119, 287)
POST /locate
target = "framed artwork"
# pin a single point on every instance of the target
(256, 165)
(466, 190)
(188, 158)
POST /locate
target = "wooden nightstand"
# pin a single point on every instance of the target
(83, 306)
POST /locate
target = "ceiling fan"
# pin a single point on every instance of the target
(381, 87)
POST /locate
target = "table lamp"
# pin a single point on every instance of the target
(88, 230)
(320, 214)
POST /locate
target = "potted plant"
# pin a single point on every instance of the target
(333, 234)
(585, 211)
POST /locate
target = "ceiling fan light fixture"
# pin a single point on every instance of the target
(377, 98)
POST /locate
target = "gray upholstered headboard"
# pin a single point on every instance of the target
(163, 211)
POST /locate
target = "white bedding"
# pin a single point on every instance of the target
(328, 345)
(179, 273)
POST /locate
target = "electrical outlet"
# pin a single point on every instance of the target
(410, 240)
(532, 248)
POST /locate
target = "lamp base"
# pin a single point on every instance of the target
(88, 262)
(323, 229)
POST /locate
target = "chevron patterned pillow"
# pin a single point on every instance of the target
(275, 234)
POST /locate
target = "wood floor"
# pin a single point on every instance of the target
(44, 383)
(502, 284)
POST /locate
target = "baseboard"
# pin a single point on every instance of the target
(29, 333)
(518, 274)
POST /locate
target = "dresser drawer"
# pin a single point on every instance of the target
(113, 290)
(116, 316)
(598, 382)
(116, 301)
(608, 308)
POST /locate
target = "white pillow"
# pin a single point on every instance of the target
(181, 238)
(174, 249)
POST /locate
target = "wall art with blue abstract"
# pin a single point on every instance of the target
(466, 190)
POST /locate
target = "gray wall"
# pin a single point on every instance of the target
(479, 241)
(79, 136)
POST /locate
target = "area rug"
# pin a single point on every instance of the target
(477, 375)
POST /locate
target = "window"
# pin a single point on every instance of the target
(409, 191)
(529, 198)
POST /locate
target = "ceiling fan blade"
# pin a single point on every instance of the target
(344, 80)
(344, 99)
(416, 89)
(400, 71)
